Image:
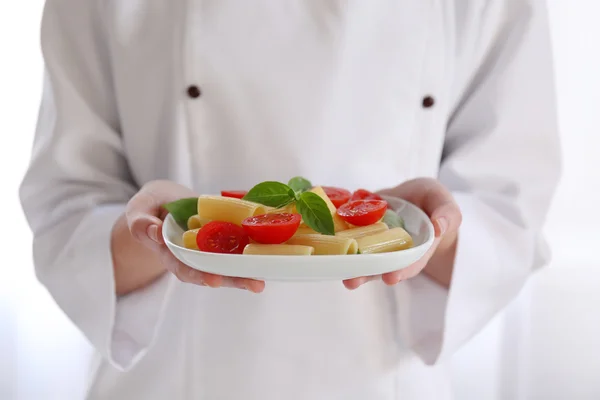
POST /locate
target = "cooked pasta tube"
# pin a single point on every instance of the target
(189, 239)
(305, 230)
(195, 222)
(338, 223)
(290, 209)
(227, 209)
(358, 232)
(278, 250)
(383, 242)
(326, 245)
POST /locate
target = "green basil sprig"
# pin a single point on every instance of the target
(182, 210)
(272, 194)
(310, 206)
(299, 184)
(315, 213)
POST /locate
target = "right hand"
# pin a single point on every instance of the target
(145, 216)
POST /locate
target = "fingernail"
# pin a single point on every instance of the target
(213, 285)
(153, 233)
(442, 224)
(360, 282)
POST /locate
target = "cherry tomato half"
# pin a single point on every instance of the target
(222, 237)
(236, 194)
(363, 194)
(337, 196)
(362, 212)
(272, 228)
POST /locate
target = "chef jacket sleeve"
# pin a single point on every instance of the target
(502, 162)
(78, 184)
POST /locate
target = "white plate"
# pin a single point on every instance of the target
(309, 268)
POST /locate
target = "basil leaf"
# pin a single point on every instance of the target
(294, 195)
(272, 194)
(299, 184)
(393, 220)
(315, 213)
(182, 210)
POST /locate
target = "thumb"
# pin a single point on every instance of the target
(145, 213)
(143, 218)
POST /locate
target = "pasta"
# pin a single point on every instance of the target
(290, 208)
(305, 230)
(326, 245)
(230, 224)
(227, 209)
(361, 231)
(278, 250)
(195, 222)
(386, 241)
(189, 239)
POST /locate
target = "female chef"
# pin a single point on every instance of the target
(449, 104)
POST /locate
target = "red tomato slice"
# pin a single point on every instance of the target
(272, 228)
(222, 237)
(363, 194)
(337, 196)
(236, 194)
(362, 212)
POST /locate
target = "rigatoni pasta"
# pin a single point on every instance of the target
(295, 219)
(290, 208)
(305, 230)
(391, 240)
(227, 209)
(195, 222)
(326, 245)
(278, 250)
(361, 231)
(189, 239)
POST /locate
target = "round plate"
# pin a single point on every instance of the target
(309, 268)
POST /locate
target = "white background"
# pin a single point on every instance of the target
(545, 346)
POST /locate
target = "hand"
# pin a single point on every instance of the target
(433, 198)
(145, 216)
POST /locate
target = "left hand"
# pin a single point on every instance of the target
(433, 198)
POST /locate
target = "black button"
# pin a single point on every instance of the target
(428, 102)
(194, 92)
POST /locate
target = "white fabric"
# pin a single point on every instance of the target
(330, 90)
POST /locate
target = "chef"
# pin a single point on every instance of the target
(449, 104)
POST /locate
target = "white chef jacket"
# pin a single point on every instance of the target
(224, 94)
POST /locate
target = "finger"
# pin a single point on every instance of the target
(394, 277)
(145, 210)
(444, 212)
(187, 274)
(253, 285)
(217, 281)
(428, 194)
(433, 198)
(213, 280)
(413, 191)
(180, 270)
(190, 275)
(142, 213)
(355, 283)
